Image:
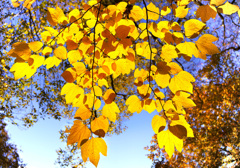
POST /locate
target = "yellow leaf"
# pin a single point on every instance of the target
(74, 56)
(205, 45)
(82, 113)
(134, 104)
(205, 12)
(181, 11)
(35, 61)
(92, 148)
(193, 28)
(51, 61)
(110, 110)
(158, 124)
(175, 68)
(78, 133)
(162, 80)
(47, 51)
(169, 52)
(188, 49)
(153, 12)
(74, 15)
(183, 100)
(72, 91)
(124, 66)
(99, 126)
(69, 75)
(158, 94)
(182, 81)
(97, 104)
(15, 3)
(21, 69)
(80, 68)
(165, 10)
(149, 105)
(46, 36)
(97, 90)
(103, 82)
(54, 15)
(144, 90)
(183, 2)
(217, 2)
(167, 139)
(60, 52)
(88, 100)
(109, 96)
(168, 106)
(228, 8)
(136, 13)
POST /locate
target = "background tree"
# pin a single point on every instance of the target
(8, 152)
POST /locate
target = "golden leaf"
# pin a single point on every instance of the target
(193, 28)
(110, 110)
(205, 45)
(99, 126)
(60, 52)
(92, 148)
(158, 124)
(134, 104)
(78, 133)
(228, 8)
(182, 81)
(181, 11)
(153, 12)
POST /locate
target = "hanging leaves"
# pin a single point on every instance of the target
(105, 47)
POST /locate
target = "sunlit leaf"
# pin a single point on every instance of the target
(182, 82)
(92, 148)
(205, 45)
(193, 28)
(158, 124)
(228, 8)
(78, 133)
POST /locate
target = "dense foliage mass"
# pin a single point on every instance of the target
(117, 58)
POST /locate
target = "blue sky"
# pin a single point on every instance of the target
(40, 142)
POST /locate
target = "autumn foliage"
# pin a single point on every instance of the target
(105, 43)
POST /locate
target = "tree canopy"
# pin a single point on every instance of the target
(110, 59)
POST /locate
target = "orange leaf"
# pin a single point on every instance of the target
(99, 126)
(205, 45)
(35, 46)
(60, 52)
(92, 148)
(109, 96)
(122, 31)
(82, 113)
(78, 133)
(205, 12)
(69, 75)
